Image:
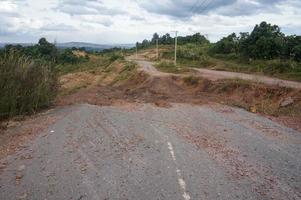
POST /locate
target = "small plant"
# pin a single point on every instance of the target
(191, 80)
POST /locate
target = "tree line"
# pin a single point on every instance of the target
(47, 52)
(266, 42)
(169, 40)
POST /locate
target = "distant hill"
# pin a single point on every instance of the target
(91, 46)
(2, 45)
(87, 46)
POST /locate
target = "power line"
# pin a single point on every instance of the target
(198, 6)
(205, 7)
(194, 5)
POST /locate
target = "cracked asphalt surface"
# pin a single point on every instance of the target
(140, 151)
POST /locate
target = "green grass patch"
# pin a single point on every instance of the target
(289, 70)
(168, 67)
(95, 62)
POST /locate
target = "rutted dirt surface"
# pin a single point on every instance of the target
(215, 75)
(141, 151)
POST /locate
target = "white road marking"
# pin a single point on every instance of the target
(171, 151)
(181, 181)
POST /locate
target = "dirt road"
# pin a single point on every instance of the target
(216, 75)
(140, 151)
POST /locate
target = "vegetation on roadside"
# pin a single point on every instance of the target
(266, 50)
(29, 75)
(128, 69)
(47, 52)
(167, 66)
(26, 85)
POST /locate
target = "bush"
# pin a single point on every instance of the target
(69, 57)
(116, 56)
(194, 54)
(25, 85)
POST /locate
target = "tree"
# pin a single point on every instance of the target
(243, 43)
(227, 45)
(292, 44)
(265, 42)
(155, 38)
(297, 53)
(47, 50)
(166, 39)
(193, 39)
(145, 43)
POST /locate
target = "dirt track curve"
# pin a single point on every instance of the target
(216, 75)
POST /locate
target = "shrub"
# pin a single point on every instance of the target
(25, 85)
(191, 52)
(116, 56)
(68, 56)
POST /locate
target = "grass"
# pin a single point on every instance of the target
(26, 85)
(93, 63)
(289, 70)
(73, 89)
(168, 67)
(195, 56)
(126, 72)
(116, 72)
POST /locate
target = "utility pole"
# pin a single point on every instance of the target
(176, 42)
(136, 51)
(157, 45)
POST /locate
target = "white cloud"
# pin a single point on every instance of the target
(113, 21)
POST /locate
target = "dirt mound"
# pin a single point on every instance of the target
(142, 82)
(164, 90)
(254, 97)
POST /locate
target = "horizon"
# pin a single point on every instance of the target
(109, 44)
(109, 22)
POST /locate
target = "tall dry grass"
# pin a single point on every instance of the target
(26, 85)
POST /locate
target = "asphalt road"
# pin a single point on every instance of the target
(140, 151)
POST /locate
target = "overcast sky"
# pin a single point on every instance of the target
(128, 21)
